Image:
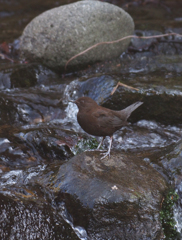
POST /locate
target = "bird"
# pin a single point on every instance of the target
(100, 121)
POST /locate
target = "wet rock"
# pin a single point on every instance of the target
(118, 197)
(145, 135)
(161, 95)
(26, 76)
(171, 160)
(172, 163)
(140, 44)
(28, 220)
(5, 80)
(168, 45)
(97, 88)
(49, 143)
(60, 33)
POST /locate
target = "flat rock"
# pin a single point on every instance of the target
(120, 196)
(60, 33)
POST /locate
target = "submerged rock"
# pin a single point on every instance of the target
(116, 198)
(60, 33)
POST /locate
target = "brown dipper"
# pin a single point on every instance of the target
(100, 121)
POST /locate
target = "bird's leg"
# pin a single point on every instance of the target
(109, 149)
(100, 143)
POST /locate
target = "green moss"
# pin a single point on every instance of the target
(166, 216)
(85, 144)
(91, 143)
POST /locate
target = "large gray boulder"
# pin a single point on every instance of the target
(60, 33)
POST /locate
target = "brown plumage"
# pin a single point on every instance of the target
(100, 121)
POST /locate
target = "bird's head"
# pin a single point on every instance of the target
(85, 103)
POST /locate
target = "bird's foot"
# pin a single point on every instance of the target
(101, 143)
(106, 154)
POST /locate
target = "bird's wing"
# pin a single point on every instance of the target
(107, 118)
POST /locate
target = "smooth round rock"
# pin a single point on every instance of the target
(60, 33)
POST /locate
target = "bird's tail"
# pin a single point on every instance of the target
(127, 111)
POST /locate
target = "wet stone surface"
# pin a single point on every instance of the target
(29, 220)
(47, 193)
(119, 191)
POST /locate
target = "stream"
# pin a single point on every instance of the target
(39, 132)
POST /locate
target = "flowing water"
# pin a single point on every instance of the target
(38, 127)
